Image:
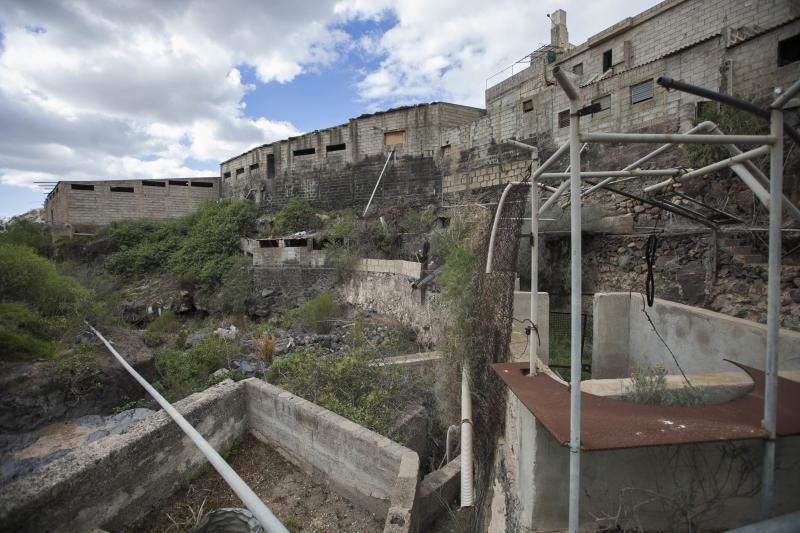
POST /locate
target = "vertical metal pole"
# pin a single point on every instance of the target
(575, 326)
(773, 310)
(533, 344)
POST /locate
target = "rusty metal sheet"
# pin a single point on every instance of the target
(610, 424)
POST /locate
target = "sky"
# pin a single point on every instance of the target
(169, 88)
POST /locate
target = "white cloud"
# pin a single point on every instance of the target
(148, 88)
(445, 50)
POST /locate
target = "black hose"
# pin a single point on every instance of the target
(650, 258)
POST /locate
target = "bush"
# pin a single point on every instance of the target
(183, 372)
(347, 385)
(34, 235)
(649, 386)
(231, 297)
(319, 312)
(265, 344)
(296, 215)
(460, 266)
(199, 249)
(165, 323)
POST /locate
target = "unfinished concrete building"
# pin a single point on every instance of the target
(75, 208)
(337, 167)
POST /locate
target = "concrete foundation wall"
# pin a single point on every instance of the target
(700, 339)
(116, 481)
(651, 488)
(372, 470)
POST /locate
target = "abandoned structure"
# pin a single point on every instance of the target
(337, 167)
(80, 207)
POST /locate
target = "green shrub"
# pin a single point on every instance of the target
(234, 290)
(81, 369)
(347, 385)
(460, 266)
(17, 345)
(296, 215)
(417, 221)
(319, 312)
(183, 372)
(165, 323)
(649, 386)
(731, 121)
(35, 235)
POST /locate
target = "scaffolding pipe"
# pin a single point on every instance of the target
(555, 196)
(467, 492)
(703, 126)
(249, 498)
(534, 311)
(589, 174)
(575, 298)
(773, 313)
(386, 164)
(725, 163)
(787, 95)
(680, 85)
(676, 138)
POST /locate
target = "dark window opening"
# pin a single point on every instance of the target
(527, 106)
(304, 151)
(226, 175)
(81, 187)
(789, 50)
(239, 171)
(184, 183)
(335, 147)
(604, 102)
(205, 184)
(563, 119)
(154, 183)
(253, 167)
(268, 244)
(641, 91)
(121, 189)
(578, 69)
(294, 243)
(270, 165)
(607, 60)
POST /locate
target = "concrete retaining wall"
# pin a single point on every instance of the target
(116, 481)
(391, 294)
(370, 469)
(390, 266)
(700, 339)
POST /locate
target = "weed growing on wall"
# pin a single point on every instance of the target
(649, 386)
(181, 373)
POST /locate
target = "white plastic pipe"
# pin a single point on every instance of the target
(243, 491)
(467, 490)
(496, 223)
(575, 299)
(773, 312)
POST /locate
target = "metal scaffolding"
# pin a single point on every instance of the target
(769, 191)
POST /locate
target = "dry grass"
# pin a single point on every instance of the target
(266, 347)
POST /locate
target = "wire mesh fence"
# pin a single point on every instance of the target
(560, 333)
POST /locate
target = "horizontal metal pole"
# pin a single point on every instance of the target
(243, 491)
(682, 86)
(616, 173)
(676, 138)
(719, 165)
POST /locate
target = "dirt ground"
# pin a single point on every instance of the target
(301, 502)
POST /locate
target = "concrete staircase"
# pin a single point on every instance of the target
(741, 251)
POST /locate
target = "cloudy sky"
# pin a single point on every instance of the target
(168, 88)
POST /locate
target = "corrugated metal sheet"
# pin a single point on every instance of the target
(642, 91)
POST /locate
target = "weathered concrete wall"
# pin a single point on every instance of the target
(82, 207)
(409, 269)
(338, 167)
(116, 481)
(647, 487)
(370, 469)
(280, 256)
(391, 294)
(522, 312)
(700, 339)
(288, 286)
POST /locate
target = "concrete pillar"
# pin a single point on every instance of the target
(559, 36)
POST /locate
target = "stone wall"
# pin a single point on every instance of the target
(287, 287)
